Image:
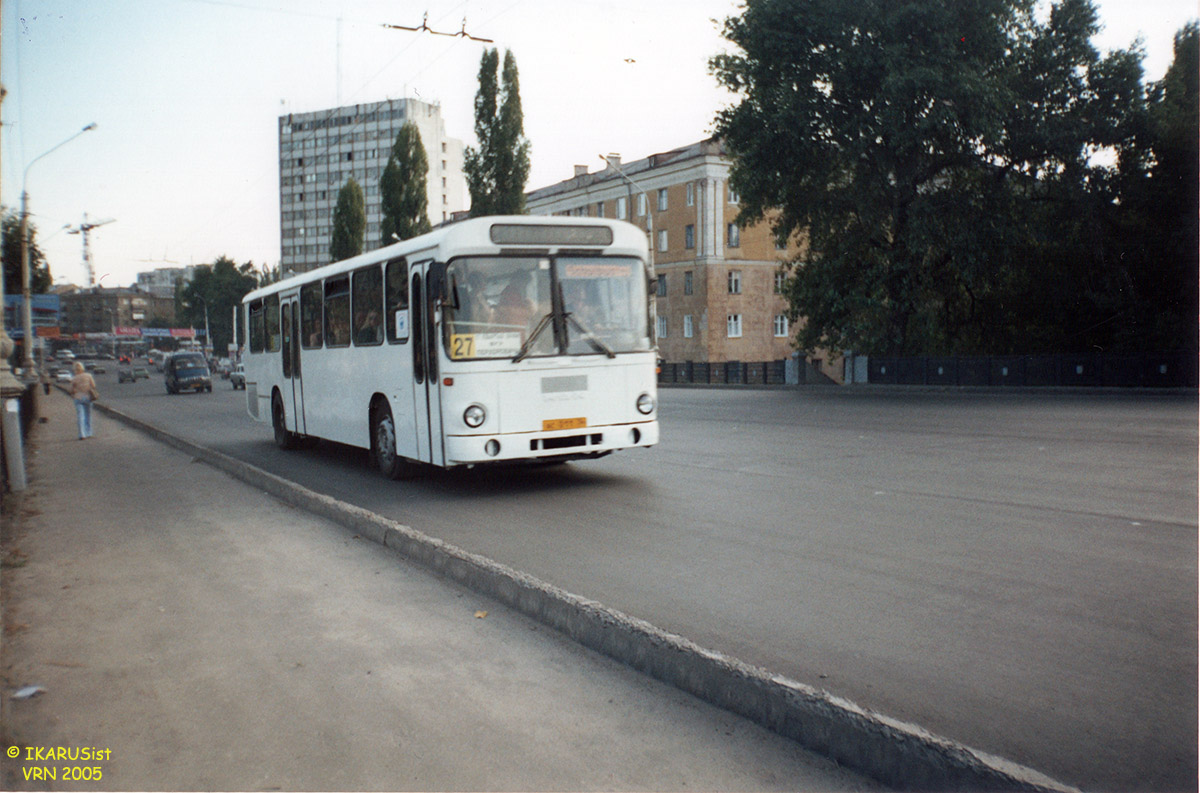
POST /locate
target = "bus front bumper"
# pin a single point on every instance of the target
(564, 445)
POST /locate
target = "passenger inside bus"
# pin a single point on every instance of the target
(370, 330)
(579, 306)
(338, 331)
(514, 309)
(478, 311)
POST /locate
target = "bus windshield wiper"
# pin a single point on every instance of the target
(528, 345)
(590, 336)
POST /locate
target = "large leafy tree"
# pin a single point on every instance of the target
(497, 170)
(404, 201)
(920, 148)
(219, 286)
(1158, 240)
(349, 222)
(39, 269)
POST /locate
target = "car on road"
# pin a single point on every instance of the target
(237, 377)
(186, 371)
(64, 376)
(132, 375)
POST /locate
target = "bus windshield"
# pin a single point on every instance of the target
(515, 307)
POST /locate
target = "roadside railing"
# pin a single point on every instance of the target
(724, 372)
(1096, 370)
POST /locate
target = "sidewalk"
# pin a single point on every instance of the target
(214, 638)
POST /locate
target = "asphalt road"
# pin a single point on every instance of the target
(1017, 572)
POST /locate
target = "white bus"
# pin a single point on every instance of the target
(495, 339)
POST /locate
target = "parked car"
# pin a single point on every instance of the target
(186, 371)
(238, 377)
(132, 375)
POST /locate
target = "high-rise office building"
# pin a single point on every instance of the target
(320, 151)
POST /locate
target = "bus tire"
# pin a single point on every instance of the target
(284, 438)
(383, 445)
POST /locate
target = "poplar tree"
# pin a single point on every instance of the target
(349, 222)
(403, 196)
(497, 170)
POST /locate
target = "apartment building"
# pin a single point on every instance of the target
(321, 150)
(102, 311)
(163, 281)
(718, 286)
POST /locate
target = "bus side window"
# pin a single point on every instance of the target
(396, 309)
(271, 306)
(258, 329)
(367, 302)
(337, 312)
(311, 336)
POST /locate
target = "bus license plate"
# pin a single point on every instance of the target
(552, 425)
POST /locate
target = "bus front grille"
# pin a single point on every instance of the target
(566, 442)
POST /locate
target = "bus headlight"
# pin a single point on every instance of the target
(474, 416)
(645, 404)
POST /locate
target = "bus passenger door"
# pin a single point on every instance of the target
(289, 325)
(424, 342)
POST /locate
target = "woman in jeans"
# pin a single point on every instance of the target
(83, 391)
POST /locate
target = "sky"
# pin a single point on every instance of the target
(186, 96)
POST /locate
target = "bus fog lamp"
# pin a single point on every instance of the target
(492, 447)
(474, 416)
(645, 404)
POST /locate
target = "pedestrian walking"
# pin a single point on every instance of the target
(83, 391)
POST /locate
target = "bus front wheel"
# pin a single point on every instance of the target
(383, 446)
(284, 438)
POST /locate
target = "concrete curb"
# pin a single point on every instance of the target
(896, 753)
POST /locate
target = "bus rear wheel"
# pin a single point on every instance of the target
(284, 438)
(383, 446)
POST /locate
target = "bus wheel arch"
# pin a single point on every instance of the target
(383, 442)
(284, 438)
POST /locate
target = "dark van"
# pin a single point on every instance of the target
(186, 371)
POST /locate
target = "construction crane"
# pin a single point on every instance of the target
(83, 229)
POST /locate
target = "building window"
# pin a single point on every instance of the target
(781, 326)
(780, 277)
(691, 194)
(687, 282)
(662, 199)
(734, 198)
(735, 282)
(733, 326)
(733, 236)
(599, 209)
(661, 327)
(662, 286)
(621, 208)
(662, 240)
(689, 236)
(641, 204)
(687, 326)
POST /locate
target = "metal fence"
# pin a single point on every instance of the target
(1165, 370)
(725, 372)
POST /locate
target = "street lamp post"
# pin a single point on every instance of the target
(112, 330)
(26, 278)
(207, 338)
